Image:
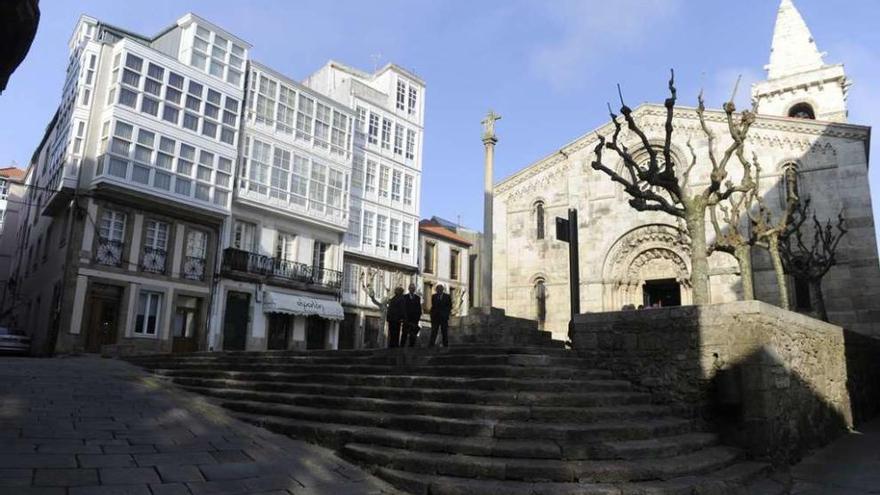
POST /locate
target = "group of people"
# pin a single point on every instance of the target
(405, 311)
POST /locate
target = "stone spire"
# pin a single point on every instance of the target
(793, 49)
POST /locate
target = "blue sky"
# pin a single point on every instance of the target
(547, 66)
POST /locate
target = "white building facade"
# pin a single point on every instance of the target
(281, 266)
(381, 239)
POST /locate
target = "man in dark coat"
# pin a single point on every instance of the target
(395, 315)
(441, 308)
(413, 304)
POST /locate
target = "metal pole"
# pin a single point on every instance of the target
(573, 262)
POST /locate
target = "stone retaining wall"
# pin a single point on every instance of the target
(773, 381)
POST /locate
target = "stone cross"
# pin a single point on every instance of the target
(489, 125)
(489, 140)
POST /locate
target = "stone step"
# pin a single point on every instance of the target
(593, 384)
(482, 371)
(575, 437)
(383, 359)
(547, 470)
(733, 480)
(594, 393)
(443, 409)
(337, 435)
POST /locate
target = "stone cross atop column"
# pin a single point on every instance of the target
(489, 140)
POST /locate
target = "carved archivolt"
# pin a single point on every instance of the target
(650, 252)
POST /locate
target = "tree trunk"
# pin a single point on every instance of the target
(773, 249)
(743, 256)
(818, 299)
(696, 225)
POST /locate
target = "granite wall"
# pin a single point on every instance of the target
(774, 382)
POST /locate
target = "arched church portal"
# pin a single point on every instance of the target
(647, 266)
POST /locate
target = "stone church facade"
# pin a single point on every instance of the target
(630, 258)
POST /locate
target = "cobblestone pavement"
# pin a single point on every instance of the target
(849, 466)
(92, 426)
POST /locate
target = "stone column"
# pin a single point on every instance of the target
(489, 141)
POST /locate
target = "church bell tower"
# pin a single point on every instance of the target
(799, 83)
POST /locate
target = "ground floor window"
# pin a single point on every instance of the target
(149, 307)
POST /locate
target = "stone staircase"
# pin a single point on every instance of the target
(473, 419)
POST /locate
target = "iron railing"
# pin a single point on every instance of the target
(266, 266)
(153, 260)
(109, 252)
(194, 268)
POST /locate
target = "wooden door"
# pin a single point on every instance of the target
(279, 331)
(347, 331)
(104, 301)
(235, 321)
(316, 332)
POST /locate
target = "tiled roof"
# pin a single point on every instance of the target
(427, 227)
(12, 173)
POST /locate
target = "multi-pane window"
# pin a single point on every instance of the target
(373, 130)
(396, 179)
(406, 238)
(386, 134)
(187, 103)
(299, 182)
(304, 115)
(149, 308)
(322, 125)
(384, 173)
(394, 235)
(153, 159)
(155, 247)
(286, 113)
(408, 188)
(401, 95)
(196, 244)
(357, 173)
(284, 247)
(410, 144)
(335, 192)
(411, 100)
(112, 225)
(339, 134)
(381, 231)
(280, 174)
(218, 56)
(398, 139)
(319, 254)
(354, 227)
(361, 119)
(370, 178)
(265, 101)
(243, 235)
(368, 227)
(350, 279)
(317, 186)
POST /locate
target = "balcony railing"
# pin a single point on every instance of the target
(266, 266)
(194, 268)
(153, 260)
(109, 252)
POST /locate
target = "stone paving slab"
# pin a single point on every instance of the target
(849, 466)
(93, 426)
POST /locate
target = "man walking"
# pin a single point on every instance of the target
(413, 305)
(441, 308)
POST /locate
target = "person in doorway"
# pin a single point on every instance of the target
(413, 304)
(441, 308)
(395, 315)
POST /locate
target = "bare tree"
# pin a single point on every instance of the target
(734, 238)
(768, 234)
(811, 263)
(655, 186)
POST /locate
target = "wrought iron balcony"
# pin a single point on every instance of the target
(153, 260)
(194, 268)
(237, 260)
(109, 252)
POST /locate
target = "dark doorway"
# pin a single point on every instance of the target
(663, 293)
(235, 321)
(347, 331)
(104, 301)
(280, 326)
(372, 328)
(316, 332)
(184, 329)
